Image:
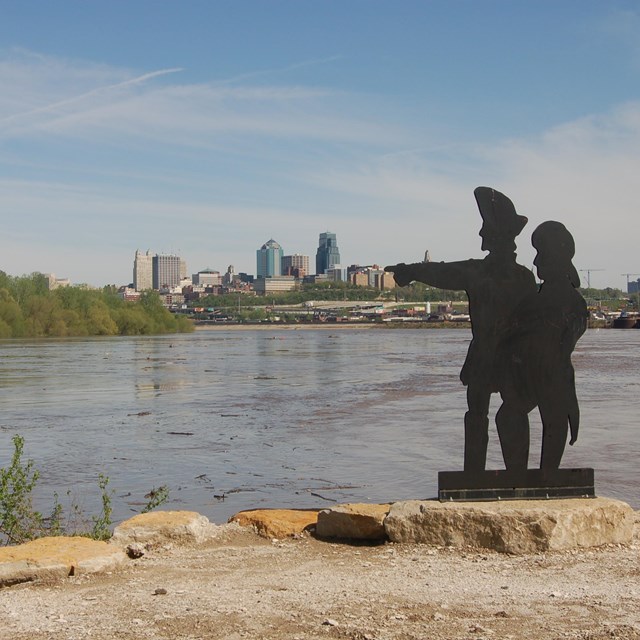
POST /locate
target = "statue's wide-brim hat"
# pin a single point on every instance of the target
(498, 211)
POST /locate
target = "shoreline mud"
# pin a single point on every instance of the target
(237, 584)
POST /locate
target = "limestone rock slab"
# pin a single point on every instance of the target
(357, 521)
(160, 527)
(513, 526)
(56, 557)
(277, 523)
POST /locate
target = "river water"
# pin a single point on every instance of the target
(237, 419)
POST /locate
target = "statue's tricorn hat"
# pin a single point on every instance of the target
(498, 211)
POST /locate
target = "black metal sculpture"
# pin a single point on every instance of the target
(535, 355)
(521, 347)
(495, 286)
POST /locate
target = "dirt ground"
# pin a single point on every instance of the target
(238, 585)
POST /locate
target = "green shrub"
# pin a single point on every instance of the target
(20, 522)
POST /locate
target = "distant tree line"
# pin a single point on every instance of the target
(29, 310)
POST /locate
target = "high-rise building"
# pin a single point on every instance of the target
(230, 275)
(143, 271)
(269, 259)
(328, 254)
(295, 265)
(167, 271)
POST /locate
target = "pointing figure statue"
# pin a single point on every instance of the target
(495, 286)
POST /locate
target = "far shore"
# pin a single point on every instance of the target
(335, 326)
(283, 327)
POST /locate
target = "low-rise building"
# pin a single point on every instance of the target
(56, 283)
(263, 286)
(207, 277)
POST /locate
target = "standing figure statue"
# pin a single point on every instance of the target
(495, 286)
(535, 356)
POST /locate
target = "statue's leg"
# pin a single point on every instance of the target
(476, 427)
(512, 421)
(555, 427)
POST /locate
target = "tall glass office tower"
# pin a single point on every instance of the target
(269, 259)
(328, 254)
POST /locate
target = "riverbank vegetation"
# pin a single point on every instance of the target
(29, 310)
(21, 522)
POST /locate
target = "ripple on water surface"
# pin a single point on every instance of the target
(240, 419)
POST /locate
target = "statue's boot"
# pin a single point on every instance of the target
(476, 439)
(513, 431)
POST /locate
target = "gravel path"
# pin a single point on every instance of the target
(241, 586)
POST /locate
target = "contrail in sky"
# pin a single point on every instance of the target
(292, 67)
(62, 103)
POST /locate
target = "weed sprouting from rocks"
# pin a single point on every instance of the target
(21, 522)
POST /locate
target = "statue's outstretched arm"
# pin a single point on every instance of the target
(444, 275)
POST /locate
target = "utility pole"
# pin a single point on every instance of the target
(588, 271)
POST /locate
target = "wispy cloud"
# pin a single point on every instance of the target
(583, 173)
(99, 91)
(174, 159)
(279, 70)
(175, 112)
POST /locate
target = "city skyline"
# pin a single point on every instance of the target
(155, 270)
(202, 129)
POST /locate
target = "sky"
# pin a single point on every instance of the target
(205, 128)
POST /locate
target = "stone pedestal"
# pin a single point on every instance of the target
(513, 526)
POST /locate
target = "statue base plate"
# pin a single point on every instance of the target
(534, 484)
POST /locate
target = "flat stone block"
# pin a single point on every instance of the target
(277, 523)
(56, 557)
(158, 527)
(514, 526)
(353, 521)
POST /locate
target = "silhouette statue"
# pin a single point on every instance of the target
(495, 285)
(535, 355)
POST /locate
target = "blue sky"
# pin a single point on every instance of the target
(205, 128)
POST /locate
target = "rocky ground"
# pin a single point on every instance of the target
(238, 585)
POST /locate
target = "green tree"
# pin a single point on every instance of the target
(11, 318)
(29, 309)
(99, 321)
(26, 287)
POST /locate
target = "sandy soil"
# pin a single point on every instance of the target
(238, 585)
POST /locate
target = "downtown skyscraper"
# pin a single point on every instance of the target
(143, 271)
(269, 260)
(328, 254)
(167, 271)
